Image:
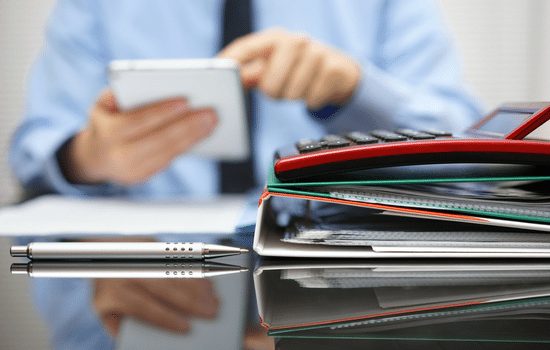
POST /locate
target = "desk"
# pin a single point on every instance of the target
(237, 318)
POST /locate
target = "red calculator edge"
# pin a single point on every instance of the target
(515, 133)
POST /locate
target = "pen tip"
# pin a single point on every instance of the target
(243, 251)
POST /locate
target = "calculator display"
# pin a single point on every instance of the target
(503, 123)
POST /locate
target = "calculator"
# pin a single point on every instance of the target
(514, 133)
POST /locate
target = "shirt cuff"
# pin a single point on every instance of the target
(374, 104)
(56, 180)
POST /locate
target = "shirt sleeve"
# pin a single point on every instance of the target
(64, 82)
(414, 79)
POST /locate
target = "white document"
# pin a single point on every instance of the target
(60, 215)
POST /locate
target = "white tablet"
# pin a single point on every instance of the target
(213, 83)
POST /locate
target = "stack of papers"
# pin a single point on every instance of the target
(423, 211)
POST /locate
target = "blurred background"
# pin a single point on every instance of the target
(505, 49)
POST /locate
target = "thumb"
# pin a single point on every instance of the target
(107, 100)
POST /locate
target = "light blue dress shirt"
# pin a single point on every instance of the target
(410, 78)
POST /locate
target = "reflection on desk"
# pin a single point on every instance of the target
(190, 269)
(306, 304)
(482, 301)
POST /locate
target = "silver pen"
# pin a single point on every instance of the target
(190, 269)
(122, 251)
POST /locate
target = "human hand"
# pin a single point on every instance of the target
(292, 66)
(168, 304)
(129, 147)
(257, 339)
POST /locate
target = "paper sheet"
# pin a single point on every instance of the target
(59, 215)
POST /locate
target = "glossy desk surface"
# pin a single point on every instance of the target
(257, 300)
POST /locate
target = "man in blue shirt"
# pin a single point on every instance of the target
(378, 63)
(398, 67)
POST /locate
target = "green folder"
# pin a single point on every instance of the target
(419, 175)
(423, 175)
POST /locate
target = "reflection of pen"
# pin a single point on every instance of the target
(122, 251)
(43, 269)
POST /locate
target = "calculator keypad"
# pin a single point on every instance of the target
(372, 137)
(438, 133)
(361, 138)
(335, 141)
(387, 136)
(307, 145)
(415, 135)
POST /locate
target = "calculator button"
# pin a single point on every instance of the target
(387, 136)
(361, 138)
(335, 141)
(414, 134)
(307, 145)
(438, 133)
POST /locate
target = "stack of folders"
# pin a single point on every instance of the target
(417, 211)
(428, 300)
